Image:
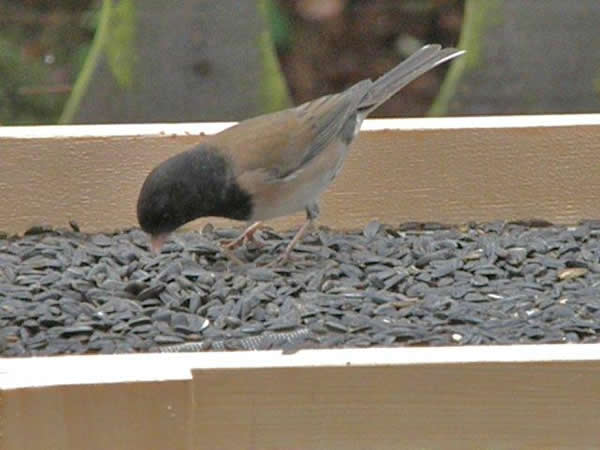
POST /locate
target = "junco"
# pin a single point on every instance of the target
(271, 165)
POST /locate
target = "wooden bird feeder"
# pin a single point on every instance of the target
(450, 170)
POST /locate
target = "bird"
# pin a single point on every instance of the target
(271, 165)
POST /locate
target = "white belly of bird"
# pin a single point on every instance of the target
(302, 188)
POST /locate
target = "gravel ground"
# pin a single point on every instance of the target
(418, 284)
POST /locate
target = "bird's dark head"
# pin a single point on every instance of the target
(197, 183)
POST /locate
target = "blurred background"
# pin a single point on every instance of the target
(119, 61)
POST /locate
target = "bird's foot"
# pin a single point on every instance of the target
(249, 235)
(231, 256)
(287, 253)
(282, 260)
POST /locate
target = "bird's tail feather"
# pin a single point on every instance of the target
(412, 67)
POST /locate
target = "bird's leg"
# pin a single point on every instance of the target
(247, 235)
(312, 213)
(229, 254)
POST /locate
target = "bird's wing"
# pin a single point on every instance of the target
(278, 145)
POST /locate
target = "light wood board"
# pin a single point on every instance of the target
(501, 397)
(449, 170)
(444, 170)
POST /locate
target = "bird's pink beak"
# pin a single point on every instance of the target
(157, 241)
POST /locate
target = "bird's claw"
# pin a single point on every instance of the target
(249, 235)
(232, 244)
(231, 256)
(282, 260)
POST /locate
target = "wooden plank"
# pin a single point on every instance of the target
(124, 416)
(447, 170)
(473, 406)
(91, 402)
(498, 397)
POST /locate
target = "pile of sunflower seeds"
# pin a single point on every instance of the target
(64, 292)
